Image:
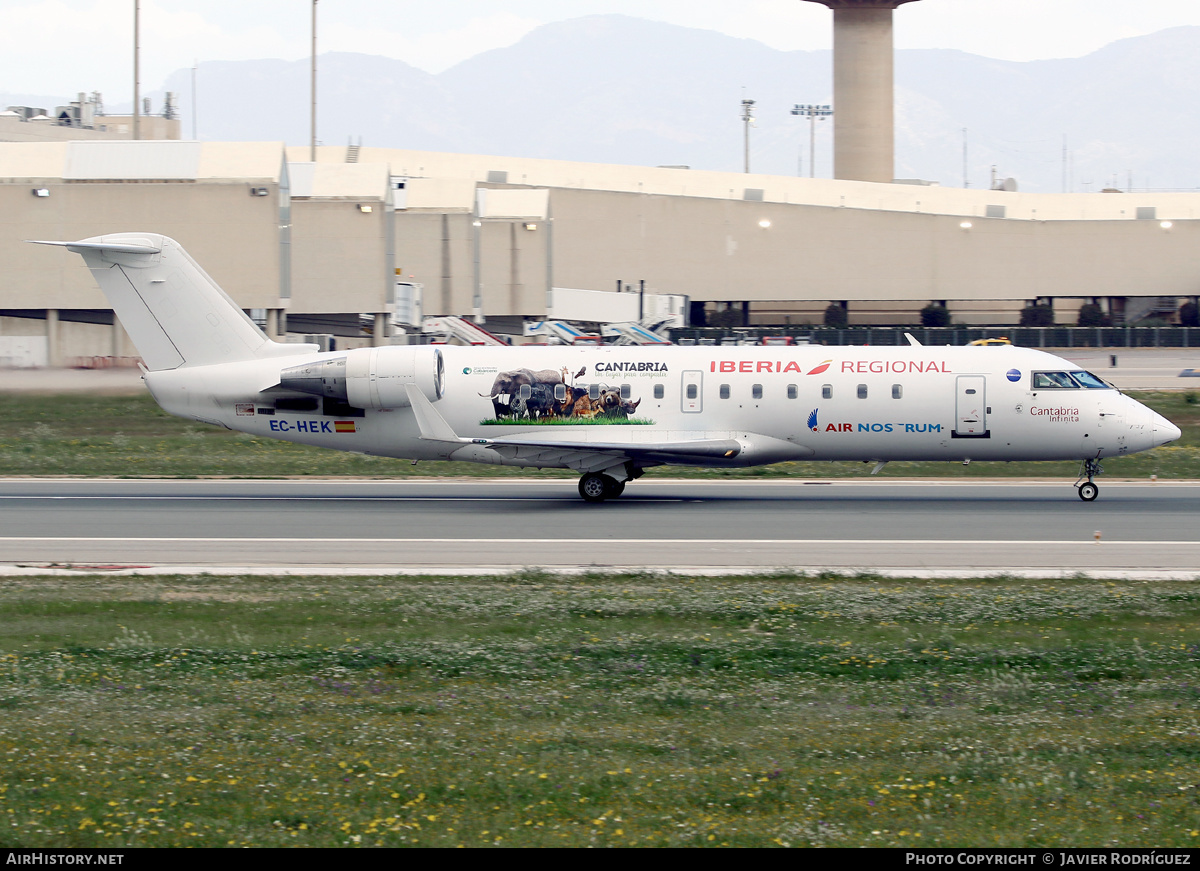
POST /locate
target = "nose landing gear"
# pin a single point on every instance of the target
(1088, 491)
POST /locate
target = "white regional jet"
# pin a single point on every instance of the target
(608, 412)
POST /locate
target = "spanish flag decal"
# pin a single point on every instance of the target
(343, 426)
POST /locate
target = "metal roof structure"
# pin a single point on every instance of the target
(127, 160)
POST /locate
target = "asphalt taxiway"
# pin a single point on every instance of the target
(459, 525)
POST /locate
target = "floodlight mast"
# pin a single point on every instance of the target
(813, 113)
(863, 89)
(312, 147)
(137, 23)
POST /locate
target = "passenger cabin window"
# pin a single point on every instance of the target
(526, 391)
(692, 391)
(659, 391)
(827, 391)
(862, 391)
(625, 391)
(560, 392)
(594, 392)
(897, 391)
(793, 391)
(724, 391)
(756, 391)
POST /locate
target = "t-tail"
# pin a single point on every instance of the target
(176, 315)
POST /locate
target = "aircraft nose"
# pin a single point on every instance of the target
(1164, 430)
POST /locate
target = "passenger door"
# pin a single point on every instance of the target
(970, 409)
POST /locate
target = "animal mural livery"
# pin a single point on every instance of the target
(610, 412)
(556, 397)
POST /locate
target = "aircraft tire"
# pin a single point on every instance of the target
(615, 487)
(1088, 491)
(592, 488)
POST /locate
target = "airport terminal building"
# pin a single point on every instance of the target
(363, 242)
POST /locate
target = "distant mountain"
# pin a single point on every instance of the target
(1127, 109)
(622, 90)
(377, 98)
(615, 89)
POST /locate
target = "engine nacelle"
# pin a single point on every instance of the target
(372, 377)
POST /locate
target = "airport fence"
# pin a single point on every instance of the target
(1028, 337)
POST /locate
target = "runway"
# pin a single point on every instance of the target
(457, 525)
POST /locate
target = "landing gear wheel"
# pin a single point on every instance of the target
(593, 488)
(615, 487)
(1088, 491)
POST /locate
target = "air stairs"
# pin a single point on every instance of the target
(559, 331)
(1139, 308)
(631, 333)
(624, 332)
(463, 330)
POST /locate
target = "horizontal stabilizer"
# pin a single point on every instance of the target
(80, 247)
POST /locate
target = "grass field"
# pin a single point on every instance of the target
(132, 437)
(608, 711)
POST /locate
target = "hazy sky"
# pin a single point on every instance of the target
(59, 47)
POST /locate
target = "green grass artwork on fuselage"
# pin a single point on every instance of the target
(567, 421)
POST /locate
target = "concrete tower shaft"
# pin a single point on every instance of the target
(863, 90)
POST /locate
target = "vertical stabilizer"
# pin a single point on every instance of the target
(174, 312)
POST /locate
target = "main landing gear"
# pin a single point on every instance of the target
(594, 487)
(1088, 491)
(597, 486)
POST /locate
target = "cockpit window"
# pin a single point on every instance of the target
(1054, 381)
(1092, 382)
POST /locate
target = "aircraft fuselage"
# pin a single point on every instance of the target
(811, 402)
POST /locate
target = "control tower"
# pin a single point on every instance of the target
(863, 98)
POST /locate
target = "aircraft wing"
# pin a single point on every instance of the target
(597, 456)
(569, 450)
(698, 448)
(588, 451)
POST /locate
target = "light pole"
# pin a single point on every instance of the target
(312, 148)
(812, 113)
(747, 120)
(137, 26)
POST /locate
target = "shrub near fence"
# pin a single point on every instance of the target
(1029, 337)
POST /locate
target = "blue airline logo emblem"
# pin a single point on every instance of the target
(1013, 374)
(812, 421)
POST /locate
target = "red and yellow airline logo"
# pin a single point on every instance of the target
(753, 366)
